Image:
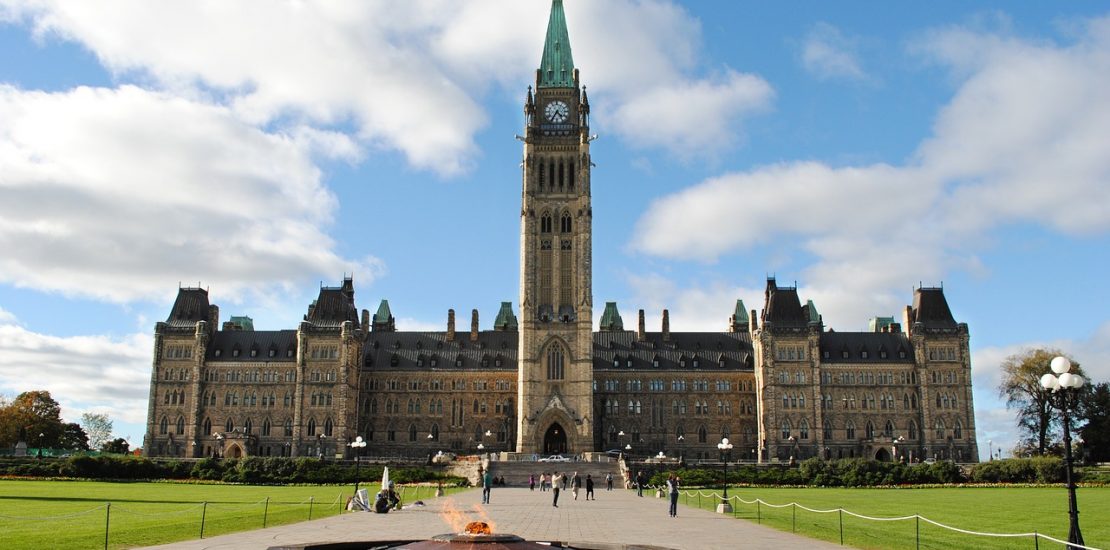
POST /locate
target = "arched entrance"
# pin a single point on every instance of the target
(555, 440)
(882, 455)
(235, 451)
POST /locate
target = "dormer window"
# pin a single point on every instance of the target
(844, 354)
(273, 352)
(254, 353)
(235, 352)
(863, 354)
(826, 354)
(218, 352)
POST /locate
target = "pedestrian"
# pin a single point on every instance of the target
(531, 482)
(640, 481)
(575, 485)
(556, 481)
(608, 482)
(566, 482)
(672, 490)
(590, 488)
(487, 484)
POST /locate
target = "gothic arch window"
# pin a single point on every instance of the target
(435, 432)
(207, 426)
(164, 426)
(703, 434)
(312, 427)
(266, 427)
(229, 425)
(545, 223)
(565, 223)
(561, 174)
(288, 431)
(181, 425)
(827, 430)
(913, 401)
(613, 437)
(905, 401)
(850, 430)
(248, 426)
(786, 429)
(958, 430)
(940, 428)
(913, 430)
(570, 175)
(412, 432)
(328, 427)
(803, 429)
(888, 430)
(555, 362)
(869, 432)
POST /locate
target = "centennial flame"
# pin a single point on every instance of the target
(460, 521)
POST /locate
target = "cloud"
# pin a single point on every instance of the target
(828, 55)
(407, 77)
(117, 193)
(1022, 141)
(84, 373)
(6, 317)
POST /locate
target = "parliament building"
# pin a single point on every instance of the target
(775, 381)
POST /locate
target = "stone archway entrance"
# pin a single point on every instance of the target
(882, 455)
(555, 440)
(235, 451)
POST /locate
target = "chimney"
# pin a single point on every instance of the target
(666, 326)
(473, 325)
(450, 325)
(213, 316)
(365, 320)
(640, 329)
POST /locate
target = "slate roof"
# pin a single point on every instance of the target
(707, 347)
(931, 308)
(227, 341)
(836, 343)
(334, 306)
(402, 350)
(190, 306)
(783, 307)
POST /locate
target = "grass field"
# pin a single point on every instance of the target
(984, 509)
(73, 514)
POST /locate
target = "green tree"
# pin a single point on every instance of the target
(74, 438)
(117, 445)
(1094, 410)
(1021, 386)
(28, 415)
(99, 428)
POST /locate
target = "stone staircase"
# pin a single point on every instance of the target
(516, 473)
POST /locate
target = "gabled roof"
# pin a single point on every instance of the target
(931, 308)
(783, 307)
(224, 342)
(415, 350)
(557, 64)
(190, 306)
(334, 306)
(874, 343)
(709, 348)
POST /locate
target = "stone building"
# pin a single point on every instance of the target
(776, 382)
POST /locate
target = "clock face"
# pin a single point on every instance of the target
(557, 112)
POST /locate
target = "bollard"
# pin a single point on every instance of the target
(265, 512)
(758, 515)
(840, 512)
(107, 522)
(793, 517)
(310, 499)
(917, 529)
(203, 512)
(1036, 541)
(340, 499)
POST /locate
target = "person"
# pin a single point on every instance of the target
(640, 481)
(672, 490)
(575, 485)
(608, 482)
(381, 502)
(566, 482)
(531, 482)
(487, 483)
(590, 488)
(556, 482)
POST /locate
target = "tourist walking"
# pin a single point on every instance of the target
(640, 481)
(672, 491)
(608, 482)
(531, 482)
(556, 482)
(575, 485)
(590, 488)
(487, 484)
(566, 482)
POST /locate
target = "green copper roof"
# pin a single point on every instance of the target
(741, 312)
(611, 319)
(506, 319)
(877, 324)
(557, 65)
(814, 317)
(383, 314)
(244, 322)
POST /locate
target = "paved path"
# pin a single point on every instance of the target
(617, 516)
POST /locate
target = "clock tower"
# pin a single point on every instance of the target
(555, 361)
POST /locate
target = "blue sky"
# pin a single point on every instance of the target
(260, 149)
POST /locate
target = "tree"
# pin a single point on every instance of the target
(74, 438)
(28, 415)
(99, 428)
(117, 445)
(1021, 386)
(1094, 409)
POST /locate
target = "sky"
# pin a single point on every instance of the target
(261, 149)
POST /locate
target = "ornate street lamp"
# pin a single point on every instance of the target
(990, 449)
(357, 445)
(725, 447)
(1064, 391)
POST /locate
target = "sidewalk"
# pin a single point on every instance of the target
(617, 516)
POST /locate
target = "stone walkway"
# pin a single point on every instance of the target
(617, 516)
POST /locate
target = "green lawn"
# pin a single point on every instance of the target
(72, 514)
(984, 509)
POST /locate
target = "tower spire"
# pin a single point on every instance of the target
(557, 65)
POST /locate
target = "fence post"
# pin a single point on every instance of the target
(840, 512)
(1036, 541)
(758, 514)
(107, 522)
(203, 513)
(265, 512)
(793, 517)
(917, 529)
(310, 499)
(699, 500)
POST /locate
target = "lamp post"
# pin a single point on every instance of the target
(990, 449)
(41, 436)
(321, 450)
(724, 447)
(1064, 388)
(681, 458)
(357, 445)
(219, 450)
(793, 447)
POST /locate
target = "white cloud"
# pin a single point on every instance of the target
(6, 317)
(84, 373)
(692, 309)
(116, 194)
(828, 54)
(1023, 140)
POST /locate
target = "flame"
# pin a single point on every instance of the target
(460, 520)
